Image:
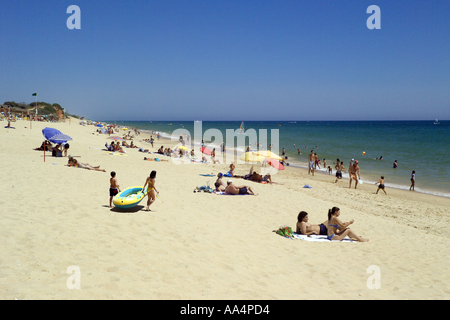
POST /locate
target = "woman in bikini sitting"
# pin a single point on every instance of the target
(306, 228)
(334, 224)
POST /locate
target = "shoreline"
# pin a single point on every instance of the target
(304, 166)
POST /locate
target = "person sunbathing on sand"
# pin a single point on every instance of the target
(259, 178)
(219, 184)
(334, 224)
(74, 163)
(306, 228)
(232, 189)
(46, 145)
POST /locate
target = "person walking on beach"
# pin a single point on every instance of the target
(413, 180)
(316, 161)
(311, 159)
(354, 174)
(114, 188)
(381, 185)
(339, 171)
(151, 190)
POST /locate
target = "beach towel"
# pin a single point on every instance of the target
(117, 153)
(317, 238)
(223, 193)
(207, 175)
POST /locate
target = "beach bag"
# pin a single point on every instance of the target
(285, 231)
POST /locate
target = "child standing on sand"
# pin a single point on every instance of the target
(114, 188)
(151, 190)
(381, 185)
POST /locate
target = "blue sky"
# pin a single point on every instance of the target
(229, 60)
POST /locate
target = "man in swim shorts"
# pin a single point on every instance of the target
(339, 171)
(311, 159)
(381, 185)
(235, 190)
(113, 187)
(354, 174)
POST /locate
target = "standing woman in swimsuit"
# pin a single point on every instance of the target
(334, 224)
(151, 190)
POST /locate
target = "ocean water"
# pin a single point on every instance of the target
(416, 145)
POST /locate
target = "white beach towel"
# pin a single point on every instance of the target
(317, 238)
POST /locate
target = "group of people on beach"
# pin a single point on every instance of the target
(230, 188)
(149, 187)
(333, 228)
(59, 150)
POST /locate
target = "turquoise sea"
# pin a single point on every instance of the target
(416, 145)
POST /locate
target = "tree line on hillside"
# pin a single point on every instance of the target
(44, 108)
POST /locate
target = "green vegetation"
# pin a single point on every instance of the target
(44, 108)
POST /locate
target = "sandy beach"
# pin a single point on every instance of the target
(201, 245)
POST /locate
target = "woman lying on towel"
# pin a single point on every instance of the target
(306, 228)
(74, 163)
(338, 230)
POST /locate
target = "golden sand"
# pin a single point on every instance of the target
(201, 245)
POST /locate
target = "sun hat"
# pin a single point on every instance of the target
(230, 181)
(70, 156)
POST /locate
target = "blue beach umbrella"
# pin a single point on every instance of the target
(55, 136)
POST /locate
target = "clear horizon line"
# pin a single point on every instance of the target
(240, 120)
